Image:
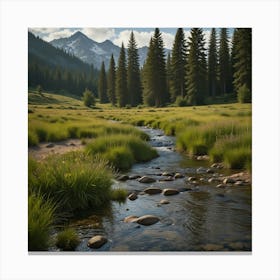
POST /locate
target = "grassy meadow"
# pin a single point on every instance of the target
(64, 185)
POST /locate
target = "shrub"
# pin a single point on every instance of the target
(88, 98)
(244, 95)
(67, 240)
(40, 219)
(238, 158)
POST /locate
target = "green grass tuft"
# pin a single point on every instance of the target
(119, 195)
(40, 220)
(67, 240)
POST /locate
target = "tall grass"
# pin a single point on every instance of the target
(40, 220)
(67, 240)
(74, 181)
(121, 150)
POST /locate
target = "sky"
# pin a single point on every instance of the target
(118, 35)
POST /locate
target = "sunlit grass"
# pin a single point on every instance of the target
(40, 219)
(67, 240)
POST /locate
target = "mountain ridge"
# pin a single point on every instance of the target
(93, 52)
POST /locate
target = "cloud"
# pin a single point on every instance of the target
(99, 34)
(49, 34)
(142, 38)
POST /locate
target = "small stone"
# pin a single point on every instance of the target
(178, 176)
(97, 241)
(130, 219)
(147, 220)
(221, 186)
(146, 179)
(164, 201)
(167, 174)
(229, 181)
(123, 178)
(50, 145)
(239, 183)
(132, 196)
(152, 190)
(190, 179)
(217, 165)
(170, 192)
(72, 144)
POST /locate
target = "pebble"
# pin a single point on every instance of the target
(170, 192)
(146, 179)
(147, 220)
(152, 190)
(132, 196)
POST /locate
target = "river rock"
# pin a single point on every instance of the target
(191, 179)
(152, 190)
(167, 174)
(221, 186)
(97, 241)
(228, 181)
(147, 220)
(164, 201)
(123, 178)
(213, 180)
(178, 175)
(132, 196)
(239, 183)
(146, 180)
(184, 189)
(130, 219)
(170, 192)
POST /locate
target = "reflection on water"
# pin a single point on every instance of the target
(203, 218)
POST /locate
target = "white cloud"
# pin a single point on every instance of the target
(49, 34)
(99, 34)
(142, 38)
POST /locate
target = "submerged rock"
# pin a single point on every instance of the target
(210, 171)
(146, 179)
(134, 177)
(191, 179)
(152, 190)
(147, 220)
(170, 192)
(167, 179)
(97, 241)
(221, 186)
(50, 145)
(132, 196)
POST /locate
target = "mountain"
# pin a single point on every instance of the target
(43, 53)
(93, 52)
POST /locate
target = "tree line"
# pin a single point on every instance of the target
(189, 74)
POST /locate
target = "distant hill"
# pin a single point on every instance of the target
(93, 52)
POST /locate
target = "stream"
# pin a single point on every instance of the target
(200, 218)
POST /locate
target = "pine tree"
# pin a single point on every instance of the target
(196, 68)
(111, 82)
(243, 59)
(212, 64)
(168, 74)
(178, 65)
(102, 85)
(121, 79)
(155, 85)
(133, 73)
(224, 63)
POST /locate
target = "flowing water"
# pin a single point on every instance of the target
(201, 218)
